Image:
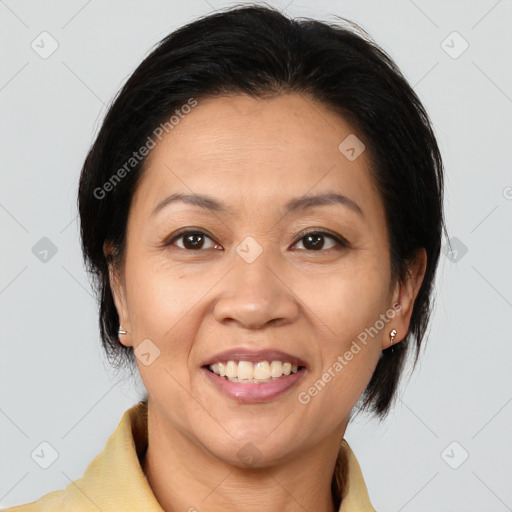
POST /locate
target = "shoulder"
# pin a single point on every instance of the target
(49, 502)
(103, 484)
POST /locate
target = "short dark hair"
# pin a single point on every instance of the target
(257, 50)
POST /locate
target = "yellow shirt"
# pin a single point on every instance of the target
(115, 482)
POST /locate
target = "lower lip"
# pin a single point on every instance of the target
(254, 392)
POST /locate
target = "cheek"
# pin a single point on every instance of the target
(160, 302)
(347, 300)
(166, 306)
(159, 295)
(345, 309)
(161, 305)
(353, 306)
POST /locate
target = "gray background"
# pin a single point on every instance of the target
(56, 386)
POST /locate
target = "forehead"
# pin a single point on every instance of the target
(254, 153)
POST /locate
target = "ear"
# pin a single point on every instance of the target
(404, 295)
(117, 288)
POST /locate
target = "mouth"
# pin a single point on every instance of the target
(250, 376)
(248, 372)
(245, 382)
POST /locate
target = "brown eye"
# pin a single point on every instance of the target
(193, 241)
(315, 241)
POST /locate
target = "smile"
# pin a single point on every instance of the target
(249, 382)
(247, 371)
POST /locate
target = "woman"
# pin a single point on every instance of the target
(262, 212)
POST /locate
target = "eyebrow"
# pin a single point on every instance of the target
(293, 205)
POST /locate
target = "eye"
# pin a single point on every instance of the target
(314, 240)
(192, 240)
(195, 240)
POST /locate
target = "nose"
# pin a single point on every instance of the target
(254, 295)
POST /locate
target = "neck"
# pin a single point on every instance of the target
(186, 476)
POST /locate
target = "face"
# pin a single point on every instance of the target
(246, 271)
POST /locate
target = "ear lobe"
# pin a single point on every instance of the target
(108, 249)
(118, 293)
(406, 292)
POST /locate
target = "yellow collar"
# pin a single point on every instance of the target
(114, 480)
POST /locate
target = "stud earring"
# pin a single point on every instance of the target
(121, 331)
(392, 335)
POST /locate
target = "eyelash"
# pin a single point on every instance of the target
(342, 243)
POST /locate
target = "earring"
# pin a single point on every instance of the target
(121, 331)
(392, 335)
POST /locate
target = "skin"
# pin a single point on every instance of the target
(194, 303)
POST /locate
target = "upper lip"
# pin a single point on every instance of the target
(245, 354)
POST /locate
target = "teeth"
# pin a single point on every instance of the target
(246, 371)
(261, 370)
(231, 369)
(276, 369)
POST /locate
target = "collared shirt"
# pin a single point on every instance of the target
(115, 481)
